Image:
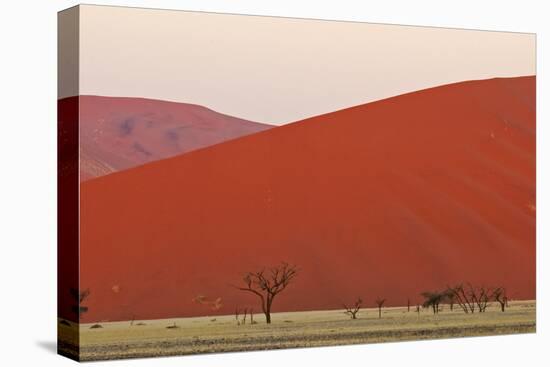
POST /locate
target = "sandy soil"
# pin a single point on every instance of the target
(148, 338)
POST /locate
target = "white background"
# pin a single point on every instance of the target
(28, 183)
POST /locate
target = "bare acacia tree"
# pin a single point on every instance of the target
(433, 299)
(475, 296)
(268, 284)
(499, 294)
(450, 297)
(462, 298)
(237, 314)
(380, 302)
(245, 312)
(353, 310)
(481, 296)
(469, 297)
(79, 298)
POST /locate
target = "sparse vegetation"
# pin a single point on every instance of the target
(268, 284)
(450, 298)
(296, 329)
(353, 310)
(380, 303)
(462, 298)
(499, 295)
(433, 299)
(470, 298)
(322, 329)
(245, 312)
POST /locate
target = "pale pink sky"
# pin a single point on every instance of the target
(279, 70)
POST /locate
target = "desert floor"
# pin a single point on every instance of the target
(148, 338)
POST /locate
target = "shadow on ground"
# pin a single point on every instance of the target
(48, 345)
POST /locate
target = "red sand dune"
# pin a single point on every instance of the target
(121, 133)
(386, 199)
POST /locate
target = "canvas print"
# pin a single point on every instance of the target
(235, 183)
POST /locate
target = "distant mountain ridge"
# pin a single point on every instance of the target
(118, 133)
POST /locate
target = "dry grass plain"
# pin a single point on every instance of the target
(149, 338)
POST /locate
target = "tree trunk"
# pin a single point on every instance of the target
(268, 311)
(502, 305)
(379, 312)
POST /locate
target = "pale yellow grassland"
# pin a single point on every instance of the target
(147, 338)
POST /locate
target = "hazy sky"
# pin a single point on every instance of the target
(279, 70)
